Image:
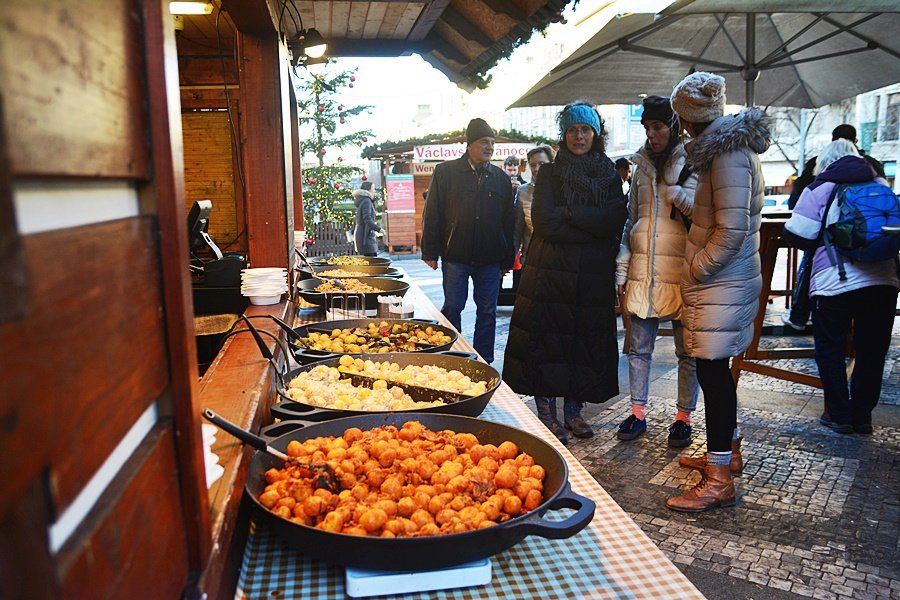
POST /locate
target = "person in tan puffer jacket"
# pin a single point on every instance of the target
(649, 265)
(721, 280)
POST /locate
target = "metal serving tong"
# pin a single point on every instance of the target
(324, 474)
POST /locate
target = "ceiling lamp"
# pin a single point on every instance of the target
(312, 42)
(190, 8)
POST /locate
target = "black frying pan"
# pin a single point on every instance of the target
(305, 355)
(430, 552)
(455, 404)
(365, 270)
(352, 300)
(370, 260)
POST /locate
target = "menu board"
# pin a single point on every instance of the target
(400, 193)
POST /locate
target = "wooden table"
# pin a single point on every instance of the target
(771, 238)
(611, 558)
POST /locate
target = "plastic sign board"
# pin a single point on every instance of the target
(400, 193)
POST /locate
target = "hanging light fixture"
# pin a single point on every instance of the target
(312, 42)
(190, 8)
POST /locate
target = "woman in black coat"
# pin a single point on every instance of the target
(562, 335)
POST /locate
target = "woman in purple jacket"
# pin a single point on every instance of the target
(867, 298)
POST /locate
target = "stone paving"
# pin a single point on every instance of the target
(818, 513)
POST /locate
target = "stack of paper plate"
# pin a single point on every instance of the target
(265, 285)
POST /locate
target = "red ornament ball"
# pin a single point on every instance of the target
(337, 185)
(343, 120)
(340, 159)
(321, 108)
(364, 178)
(340, 107)
(312, 181)
(352, 78)
(365, 139)
(350, 85)
(322, 151)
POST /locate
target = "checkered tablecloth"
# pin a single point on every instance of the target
(611, 558)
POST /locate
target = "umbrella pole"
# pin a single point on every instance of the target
(750, 72)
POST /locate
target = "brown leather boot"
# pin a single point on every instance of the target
(737, 460)
(716, 488)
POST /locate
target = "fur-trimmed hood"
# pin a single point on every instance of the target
(750, 128)
(360, 194)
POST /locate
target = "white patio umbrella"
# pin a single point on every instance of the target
(802, 53)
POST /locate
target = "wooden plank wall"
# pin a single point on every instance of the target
(209, 173)
(90, 352)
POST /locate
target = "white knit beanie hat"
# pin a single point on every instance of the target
(699, 98)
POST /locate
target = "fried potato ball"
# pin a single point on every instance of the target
(402, 482)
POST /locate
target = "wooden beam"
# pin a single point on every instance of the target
(505, 7)
(369, 48)
(165, 192)
(464, 27)
(13, 283)
(262, 149)
(427, 19)
(251, 16)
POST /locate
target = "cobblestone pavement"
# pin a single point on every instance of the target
(818, 513)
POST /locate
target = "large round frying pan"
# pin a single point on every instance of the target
(352, 300)
(365, 270)
(455, 404)
(305, 355)
(369, 260)
(431, 552)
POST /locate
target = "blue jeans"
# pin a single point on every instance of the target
(486, 286)
(640, 353)
(870, 310)
(571, 408)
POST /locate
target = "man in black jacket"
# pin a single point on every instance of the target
(468, 224)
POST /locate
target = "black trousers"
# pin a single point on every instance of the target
(871, 312)
(719, 402)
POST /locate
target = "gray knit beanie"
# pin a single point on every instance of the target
(699, 97)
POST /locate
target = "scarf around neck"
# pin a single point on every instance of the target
(586, 179)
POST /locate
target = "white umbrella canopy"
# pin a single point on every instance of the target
(771, 53)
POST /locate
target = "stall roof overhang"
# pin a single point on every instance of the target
(461, 38)
(832, 54)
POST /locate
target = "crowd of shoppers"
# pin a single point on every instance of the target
(675, 230)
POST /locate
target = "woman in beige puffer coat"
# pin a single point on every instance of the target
(721, 281)
(649, 265)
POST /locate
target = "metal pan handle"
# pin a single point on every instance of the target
(241, 434)
(276, 430)
(267, 354)
(288, 330)
(306, 356)
(283, 410)
(460, 353)
(556, 530)
(428, 321)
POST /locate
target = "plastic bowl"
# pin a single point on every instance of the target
(265, 300)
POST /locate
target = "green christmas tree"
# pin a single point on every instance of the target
(324, 119)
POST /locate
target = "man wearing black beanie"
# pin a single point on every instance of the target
(468, 224)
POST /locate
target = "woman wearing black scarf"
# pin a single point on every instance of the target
(562, 335)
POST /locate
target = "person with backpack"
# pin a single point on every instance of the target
(649, 265)
(851, 283)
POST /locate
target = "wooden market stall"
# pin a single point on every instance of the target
(111, 124)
